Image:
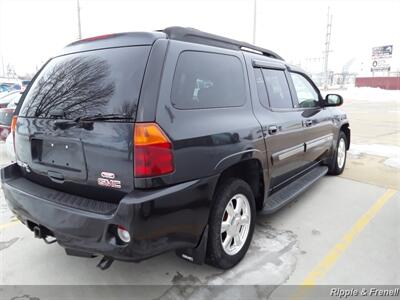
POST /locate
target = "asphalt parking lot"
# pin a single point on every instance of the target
(344, 230)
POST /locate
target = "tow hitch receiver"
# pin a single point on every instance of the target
(43, 234)
(105, 263)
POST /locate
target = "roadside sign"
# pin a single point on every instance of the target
(381, 58)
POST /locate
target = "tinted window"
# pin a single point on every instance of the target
(104, 81)
(206, 80)
(277, 88)
(261, 90)
(6, 117)
(306, 94)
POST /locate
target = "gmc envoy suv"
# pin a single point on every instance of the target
(132, 144)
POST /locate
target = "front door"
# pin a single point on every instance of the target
(281, 123)
(317, 121)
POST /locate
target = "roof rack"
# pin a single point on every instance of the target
(193, 35)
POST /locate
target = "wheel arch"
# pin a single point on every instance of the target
(251, 171)
(346, 130)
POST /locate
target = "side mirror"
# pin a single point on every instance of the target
(333, 100)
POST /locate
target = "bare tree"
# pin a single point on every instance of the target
(76, 86)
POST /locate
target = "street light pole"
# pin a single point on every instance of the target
(79, 19)
(254, 22)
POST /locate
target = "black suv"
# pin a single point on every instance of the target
(129, 145)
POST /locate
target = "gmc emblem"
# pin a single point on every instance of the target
(109, 183)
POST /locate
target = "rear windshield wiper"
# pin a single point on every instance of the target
(103, 117)
(63, 124)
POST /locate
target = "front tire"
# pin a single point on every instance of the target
(338, 161)
(231, 224)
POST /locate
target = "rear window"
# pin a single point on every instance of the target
(5, 117)
(207, 80)
(103, 81)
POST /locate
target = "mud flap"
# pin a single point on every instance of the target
(195, 255)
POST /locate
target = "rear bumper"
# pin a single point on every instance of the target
(158, 220)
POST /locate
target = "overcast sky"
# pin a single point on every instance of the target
(31, 31)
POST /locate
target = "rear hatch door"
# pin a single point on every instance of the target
(75, 126)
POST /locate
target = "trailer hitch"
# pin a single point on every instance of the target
(39, 234)
(105, 263)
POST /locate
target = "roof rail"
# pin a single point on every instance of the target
(193, 35)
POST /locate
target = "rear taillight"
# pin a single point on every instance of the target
(13, 123)
(13, 128)
(152, 151)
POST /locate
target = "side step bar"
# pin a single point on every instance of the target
(288, 193)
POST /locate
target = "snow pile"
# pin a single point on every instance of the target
(392, 153)
(367, 94)
(371, 94)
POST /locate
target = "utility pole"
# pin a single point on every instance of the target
(254, 22)
(327, 47)
(79, 19)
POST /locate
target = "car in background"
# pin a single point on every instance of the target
(24, 84)
(4, 88)
(6, 115)
(11, 86)
(14, 100)
(11, 97)
(10, 153)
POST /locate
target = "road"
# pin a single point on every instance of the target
(344, 230)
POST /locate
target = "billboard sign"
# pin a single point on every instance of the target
(381, 57)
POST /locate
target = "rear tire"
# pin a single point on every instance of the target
(231, 224)
(338, 161)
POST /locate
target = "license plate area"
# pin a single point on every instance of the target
(60, 154)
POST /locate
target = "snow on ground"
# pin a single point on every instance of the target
(367, 94)
(392, 153)
(270, 261)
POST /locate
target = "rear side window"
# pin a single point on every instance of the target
(261, 90)
(207, 80)
(277, 88)
(103, 81)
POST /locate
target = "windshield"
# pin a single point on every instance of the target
(103, 81)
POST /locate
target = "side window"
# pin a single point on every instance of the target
(208, 80)
(277, 88)
(306, 93)
(261, 90)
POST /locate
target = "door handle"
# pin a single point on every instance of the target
(308, 123)
(272, 129)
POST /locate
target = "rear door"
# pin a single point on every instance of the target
(281, 122)
(89, 158)
(317, 121)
